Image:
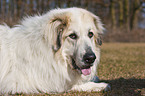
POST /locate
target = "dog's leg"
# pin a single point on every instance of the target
(91, 86)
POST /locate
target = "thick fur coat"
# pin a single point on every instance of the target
(46, 53)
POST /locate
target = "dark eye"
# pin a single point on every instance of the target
(73, 36)
(90, 34)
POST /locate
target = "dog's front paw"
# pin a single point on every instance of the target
(102, 87)
(108, 88)
(91, 86)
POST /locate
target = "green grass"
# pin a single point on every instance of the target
(123, 67)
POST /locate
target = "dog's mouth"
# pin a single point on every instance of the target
(85, 70)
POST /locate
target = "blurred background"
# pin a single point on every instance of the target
(124, 20)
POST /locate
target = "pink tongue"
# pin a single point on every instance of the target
(86, 71)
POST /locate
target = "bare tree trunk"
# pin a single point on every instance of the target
(38, 5)
(19, 4)
(15, 10)
(112, 11)
(9, 11)
(24, 5)
(0, 8)
(126, 14)
(69, 3)
(31, 11)
(134, 18)
(86, 4)
(12, 8)
(48, 1)
(3, 9)
(42, 6)
(120, 13)
(58, 3)
(26, 9)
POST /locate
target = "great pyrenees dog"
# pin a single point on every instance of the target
(55, 52)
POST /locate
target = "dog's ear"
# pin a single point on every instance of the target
(98, 41)
(100, 29)
(59, 24)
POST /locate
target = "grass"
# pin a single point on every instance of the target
(123, 67)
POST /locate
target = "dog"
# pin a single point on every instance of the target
(51, 53)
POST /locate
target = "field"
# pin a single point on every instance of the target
(123, 67)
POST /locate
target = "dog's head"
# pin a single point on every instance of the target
(77, 35)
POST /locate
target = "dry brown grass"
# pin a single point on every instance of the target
(123, 67)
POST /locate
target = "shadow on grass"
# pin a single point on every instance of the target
(126, 87)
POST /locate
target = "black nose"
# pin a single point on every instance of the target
(89, 58)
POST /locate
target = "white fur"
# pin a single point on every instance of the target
(28, 62)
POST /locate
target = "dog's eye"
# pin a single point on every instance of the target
(73, 36)
(90, 34)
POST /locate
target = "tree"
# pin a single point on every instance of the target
(121, 14)
(112, 12)
(19, 4)
(31, 11)
(126, 14)
(3, 8)
(137, 6)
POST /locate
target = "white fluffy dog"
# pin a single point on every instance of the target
(55, 52)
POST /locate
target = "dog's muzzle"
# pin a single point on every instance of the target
(88, 60)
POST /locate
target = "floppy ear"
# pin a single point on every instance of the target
(59, 24)
(100, 29)
(98, 41)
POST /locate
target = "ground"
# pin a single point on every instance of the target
(123, 67)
